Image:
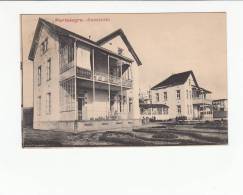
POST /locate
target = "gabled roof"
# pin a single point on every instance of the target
(175, 79)
(64, 32)
(120, 33)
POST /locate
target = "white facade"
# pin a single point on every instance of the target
(185, 101)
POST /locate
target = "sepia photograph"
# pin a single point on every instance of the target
(151, 79)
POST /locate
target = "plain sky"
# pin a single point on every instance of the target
(165, 43)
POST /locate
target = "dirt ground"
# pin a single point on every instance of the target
(158, 135)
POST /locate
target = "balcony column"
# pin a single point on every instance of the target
(121, 89)
(109, 86)
(75, 80)
(93, 78)
(131, 75)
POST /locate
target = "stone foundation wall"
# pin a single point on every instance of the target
(79, 126)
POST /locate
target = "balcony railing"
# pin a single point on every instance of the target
(201, 101)
(84, 73)
(103, 77)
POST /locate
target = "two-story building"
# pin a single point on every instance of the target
(81, 84)
(220, 109)
(179, 96)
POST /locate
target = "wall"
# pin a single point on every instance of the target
(188, 101)
(116, 43)
(172, 100)
(52, 85)
(135, 90)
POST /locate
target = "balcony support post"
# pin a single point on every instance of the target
(75, 80)
(109, 86)
(121, 89)
(93, 79)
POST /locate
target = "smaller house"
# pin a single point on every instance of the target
(220, 109)
(178, 97)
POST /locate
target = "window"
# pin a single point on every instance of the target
(39, 105)
(188, 109)
(178, 109)
(84, 57)
(48, 103)
(44, 46)
(189, 82)
(66, 54)
(165, 110)
(157, 97)
(178, 94)
(165, 96)
(39, 75)
(130, 105)
(48, 70)
(187, 94)
(159, 111)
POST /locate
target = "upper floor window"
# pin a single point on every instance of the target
(204, 95)
(187, 94)
(39, 75)
(165, 96)
(157, 97)
(66, 54)
(44, 46)
(48, 70)
(189, 82)
(178, 109)
(178, 94)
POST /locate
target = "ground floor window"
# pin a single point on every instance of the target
(159, 110)
(48, 103)
(178, 109)
(166, 110)
(130, 105)
(39, 105)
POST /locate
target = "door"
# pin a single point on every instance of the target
(80, 108)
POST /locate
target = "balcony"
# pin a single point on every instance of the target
(201, 101)
(103, 78)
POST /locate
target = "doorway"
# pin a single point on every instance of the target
(80, 108)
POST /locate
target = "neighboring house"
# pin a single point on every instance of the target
(79, 83)
(220, 109)
(179, 96)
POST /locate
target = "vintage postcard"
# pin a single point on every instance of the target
(124, 79)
